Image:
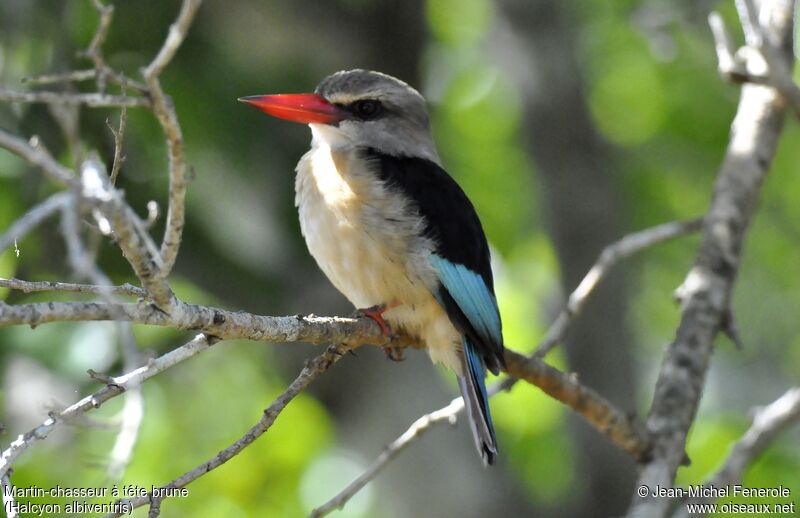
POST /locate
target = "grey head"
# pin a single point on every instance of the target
(384, 113)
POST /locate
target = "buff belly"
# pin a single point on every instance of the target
(369, 245)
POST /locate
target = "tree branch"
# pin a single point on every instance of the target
(119, 135)
(218, 322)
(165, 113)
(706, 292)
(759, 62)
(32, 219)
(768, 422)
(35, 153)
(93, 100)
(113, 213)
(445, 414)
(627, 246)
(37, 286)
(623, 430)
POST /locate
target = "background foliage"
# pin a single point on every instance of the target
(648, 74)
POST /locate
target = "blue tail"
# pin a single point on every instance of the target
(473, 390)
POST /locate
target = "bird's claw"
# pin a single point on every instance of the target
(396, 354)
(376, 313)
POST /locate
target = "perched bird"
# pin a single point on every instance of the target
(392, 230)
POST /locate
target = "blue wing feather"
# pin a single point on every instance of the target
(470, 293)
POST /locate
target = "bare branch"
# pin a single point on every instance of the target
(119, 135)
(446, 414)
(706, 292)
(117, 386)
(759, 62)
(35, 153)
(112, 213)
(214, 321)
(728, 64)
(748, 17)
(94, 51)
(768, 422)
(93, 100)
(65, 77)
(165, 112)
(310, 372)
(32, 219)
(75, 76)
(37, 286)
(623, 430)
(177, 33)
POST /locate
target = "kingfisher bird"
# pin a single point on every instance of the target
(392, 231)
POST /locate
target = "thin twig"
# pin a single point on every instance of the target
(623, 430)
(629, 245)
(119, 135)
(728, 65)
(177, 33)
(310, 372)
(94, 50)
(31, 219)
(768, 422)
(758, 62)
(748, 17)
(445, 414)
(164, 110)
(37, 286)
(75, 76)
(63, 77)
(34, 152)
(93, 100)
(112, 213)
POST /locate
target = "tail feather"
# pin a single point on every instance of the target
(473, 390)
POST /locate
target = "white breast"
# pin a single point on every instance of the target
(369, 244)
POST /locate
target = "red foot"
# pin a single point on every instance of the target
(376, 314)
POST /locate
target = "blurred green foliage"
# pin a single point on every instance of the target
(654, 95)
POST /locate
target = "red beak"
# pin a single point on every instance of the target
(303, 108)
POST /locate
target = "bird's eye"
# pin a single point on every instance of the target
(367, 108)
